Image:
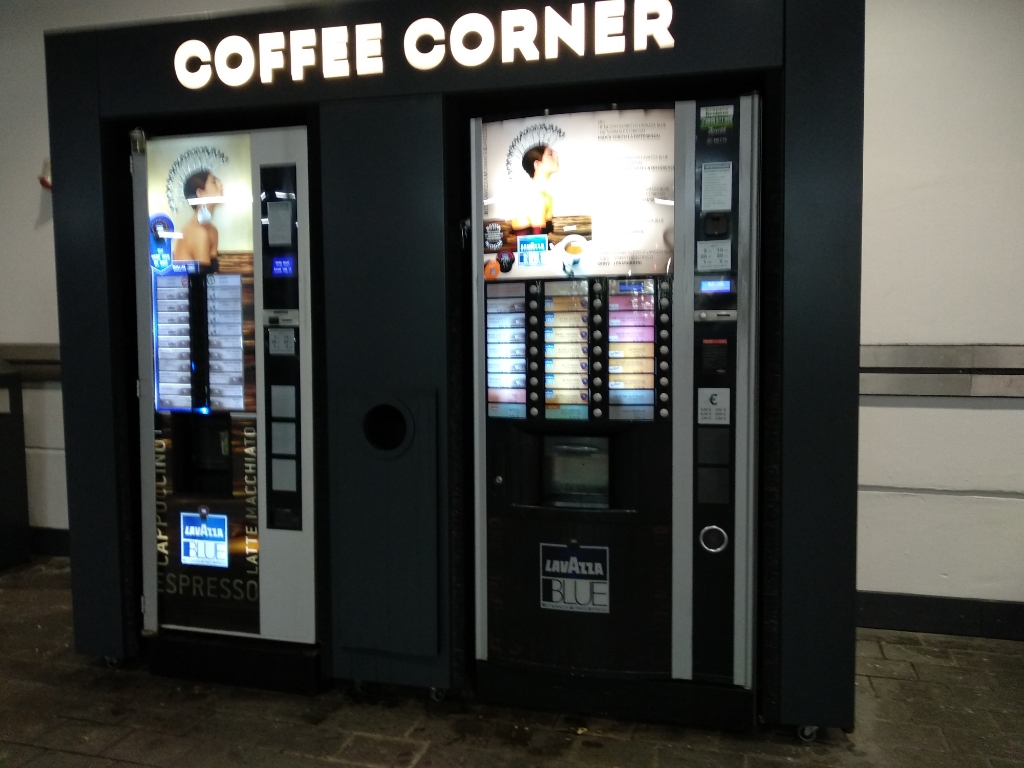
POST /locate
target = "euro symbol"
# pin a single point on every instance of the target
(713, 399)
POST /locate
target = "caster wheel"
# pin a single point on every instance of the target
(112, 662)
(438, 694)
(807, 733)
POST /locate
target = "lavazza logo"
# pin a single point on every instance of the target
(574, 578)
(204, 539)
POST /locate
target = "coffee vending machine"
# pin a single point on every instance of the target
(225, 384)
(615, 300)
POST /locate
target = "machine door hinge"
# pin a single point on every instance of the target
(142, 604)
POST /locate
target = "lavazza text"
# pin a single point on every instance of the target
(426, 43)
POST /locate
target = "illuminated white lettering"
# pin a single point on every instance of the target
(234, 46)
(651, 18)
(518, 32)
(368, 53)
(303, 44)
(608, 37)
(192, 49)
(271, 47)
(424, 28)
(467, 25)
(334, 51)
(572, 33)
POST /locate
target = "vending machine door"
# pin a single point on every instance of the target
(225, 383)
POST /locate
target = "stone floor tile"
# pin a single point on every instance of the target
(899, 670)
(983, 644)
(919, 654)
(152, 716)
(965, 676)
(869, 649)
(888, 636)
(80, 737)
(992, 743)
(462, 756)
(379, 719)
(533, 718)
(595, 726)
(996, 762)
(886, 733)
(830, 749)
(220, 754)
(149, 748)
(990, 662)
(612, 753)
(678, 756)
(382, 751)
(17, 755)
(270, 734)
(55, 759)
(1009, 721)
(688, 738)
(862, 686)
(912, 690)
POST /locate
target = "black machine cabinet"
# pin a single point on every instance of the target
(14, 528)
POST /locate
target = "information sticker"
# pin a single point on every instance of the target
(713, 405)
(716, 187)
(714, 256)
(281, 341)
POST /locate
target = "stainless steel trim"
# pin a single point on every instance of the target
(479, 402)
(746, 394)
(991, 357)
(914, 356)
(287, 558)
(934, 384)
(713, 550)
(997, 385)
(682, 392)
(147, 396)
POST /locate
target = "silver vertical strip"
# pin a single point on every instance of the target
(147, 385)
(682, 392)
(746, 395)
(479, 402)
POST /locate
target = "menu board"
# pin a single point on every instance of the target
(631, 349)
(566, 347)
(505, 328)
(584, 194)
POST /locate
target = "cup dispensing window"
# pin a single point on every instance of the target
(576, 472)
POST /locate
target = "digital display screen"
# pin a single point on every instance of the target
(631, 287)
(282, 266)
(715, 286)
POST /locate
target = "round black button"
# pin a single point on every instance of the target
(385, 427)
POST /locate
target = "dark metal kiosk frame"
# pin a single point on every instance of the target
(389, 171)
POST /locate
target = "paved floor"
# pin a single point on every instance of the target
(923, 701)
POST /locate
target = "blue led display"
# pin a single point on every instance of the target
(715, 286)
(282, 266)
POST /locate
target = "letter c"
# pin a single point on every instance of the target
(424, 28)
(192, 49)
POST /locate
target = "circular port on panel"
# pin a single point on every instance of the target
(385, 427)
(533, 289)
(714, 539)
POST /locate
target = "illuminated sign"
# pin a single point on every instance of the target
(204, 539)
(472, 40)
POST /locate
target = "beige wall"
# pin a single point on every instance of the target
(28, 292)
(943, 172)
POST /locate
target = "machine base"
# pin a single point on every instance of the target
(254, 663)
(673, 702)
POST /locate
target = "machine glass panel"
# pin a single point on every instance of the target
(204, 367)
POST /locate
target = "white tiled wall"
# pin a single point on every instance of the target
(44, 454)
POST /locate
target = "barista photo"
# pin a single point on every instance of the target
(203, 187)
(574, 195)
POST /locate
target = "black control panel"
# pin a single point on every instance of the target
(282, 346)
